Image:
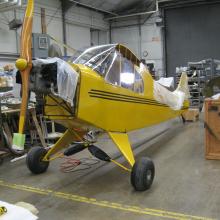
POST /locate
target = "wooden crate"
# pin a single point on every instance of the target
(191, 115)
(212, 129)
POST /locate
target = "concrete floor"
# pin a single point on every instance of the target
(186, 185)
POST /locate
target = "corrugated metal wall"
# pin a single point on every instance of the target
(191, 34)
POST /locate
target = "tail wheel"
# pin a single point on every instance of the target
(142, 174)
(34, 160)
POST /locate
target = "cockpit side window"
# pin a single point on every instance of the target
(127, 75)
(138, 81)
(122, 72)
(113, 72)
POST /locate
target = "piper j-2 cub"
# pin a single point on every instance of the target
(106, 88)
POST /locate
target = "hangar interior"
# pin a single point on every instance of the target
(109, 109)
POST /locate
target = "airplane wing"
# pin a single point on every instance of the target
(122, 142)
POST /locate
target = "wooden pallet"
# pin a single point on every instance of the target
(191, 115)
(212, 129)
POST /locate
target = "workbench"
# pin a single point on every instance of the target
(6, 128)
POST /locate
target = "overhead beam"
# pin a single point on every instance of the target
(134, 14)
(92, 8)
(181, 3)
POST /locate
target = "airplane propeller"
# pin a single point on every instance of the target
(24, 65)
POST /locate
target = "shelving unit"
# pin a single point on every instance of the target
(199, 73)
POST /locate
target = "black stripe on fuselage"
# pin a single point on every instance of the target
(119, 97)
(130, 99)
(125, 98)
(122, 100)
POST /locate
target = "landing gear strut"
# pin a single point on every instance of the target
(142, 172)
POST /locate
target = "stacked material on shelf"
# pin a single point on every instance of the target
(199, 74)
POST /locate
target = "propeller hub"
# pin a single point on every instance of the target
(21, 64)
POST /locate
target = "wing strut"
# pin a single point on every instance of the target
(122, 142)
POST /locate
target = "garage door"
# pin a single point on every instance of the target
(191, 34)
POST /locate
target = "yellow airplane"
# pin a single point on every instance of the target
(113, 93)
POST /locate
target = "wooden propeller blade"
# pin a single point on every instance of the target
(26, 35)
(26, 57)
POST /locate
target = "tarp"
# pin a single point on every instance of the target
(174, 99)
(167, 82)
(67, 78)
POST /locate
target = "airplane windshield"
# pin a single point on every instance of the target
(117, 64)
(93, 54)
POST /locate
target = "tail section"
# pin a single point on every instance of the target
(175, 100)
(183, 85)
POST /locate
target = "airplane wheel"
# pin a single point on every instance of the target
(34, 160)
(142, 174)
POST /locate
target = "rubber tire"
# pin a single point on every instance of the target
(139, 173)
(34, 160)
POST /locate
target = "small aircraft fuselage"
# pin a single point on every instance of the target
(114, 92)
